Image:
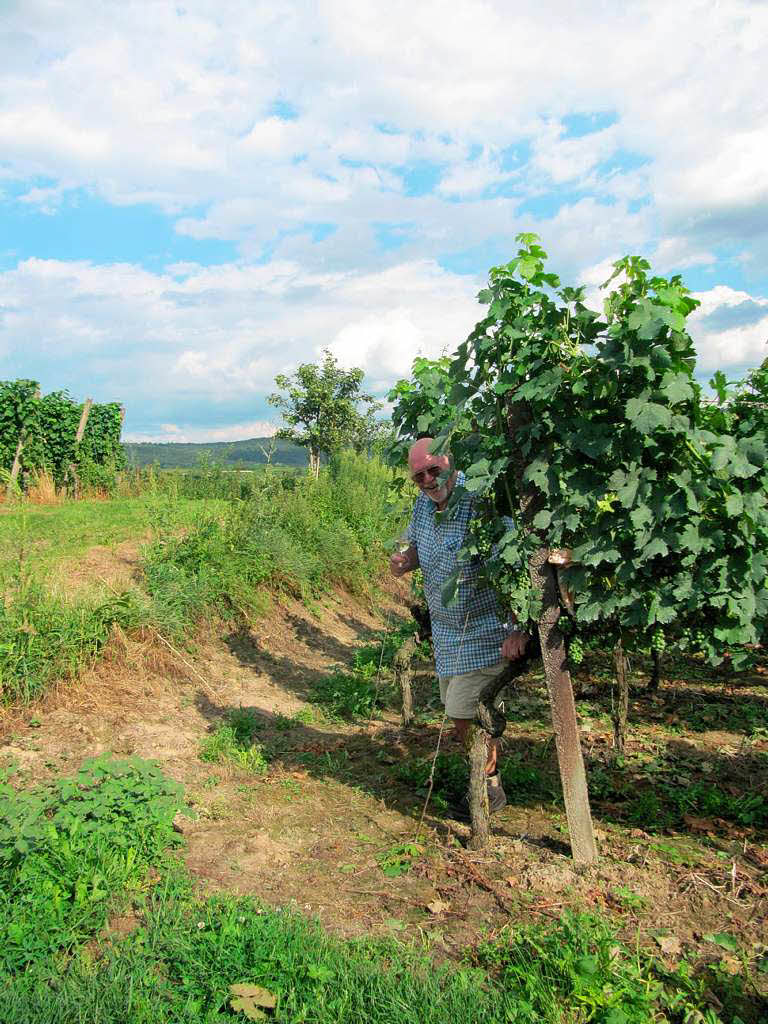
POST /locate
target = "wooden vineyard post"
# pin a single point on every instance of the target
(15, 468)
(79, 437)
(621, 705)
(655, 678)
(564, 722)
(544, 580)
(403, 671)
(83, 420)
(478, 788)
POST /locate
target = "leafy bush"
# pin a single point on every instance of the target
(67, 848)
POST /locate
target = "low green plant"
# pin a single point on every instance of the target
(68, 847)
(351, 694)
(398, 859)
(232, 742)
(578, 969)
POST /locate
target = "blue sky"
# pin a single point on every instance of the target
(193, 202)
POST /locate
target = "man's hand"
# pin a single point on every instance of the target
(399, 565)
(514, 646)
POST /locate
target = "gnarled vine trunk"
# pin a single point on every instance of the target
(478, 788)
(402, 667)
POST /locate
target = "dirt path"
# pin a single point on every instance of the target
(312, 832)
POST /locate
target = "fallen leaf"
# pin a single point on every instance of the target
(251, 1000)
(512, 881)
(438, 907)
(731, 965)
(669, 945)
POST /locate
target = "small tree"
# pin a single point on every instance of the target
(321, 408)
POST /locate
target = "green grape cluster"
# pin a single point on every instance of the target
(576, 650)
(565, 625)
(523, 580)
(693, 639)
(658, 641)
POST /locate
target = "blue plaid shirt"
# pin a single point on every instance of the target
(468, 635)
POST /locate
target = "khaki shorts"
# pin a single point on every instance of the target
(460, 694)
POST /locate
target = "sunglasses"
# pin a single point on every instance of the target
(431, 471)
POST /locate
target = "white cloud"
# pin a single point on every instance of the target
(178, 105)
(217, 336)
(730, 329)
(232, 432)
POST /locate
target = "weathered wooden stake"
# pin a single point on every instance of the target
(478, 788)
(621, 704)
(402, 666)
(15, 468)
(655, 679)
(564, 722)
(553, 653)
(78, 438)
(83, 420)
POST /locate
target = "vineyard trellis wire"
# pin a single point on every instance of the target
(40, 433)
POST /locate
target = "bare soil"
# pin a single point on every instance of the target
(312, 830)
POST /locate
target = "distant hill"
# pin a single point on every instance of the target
(178, 455)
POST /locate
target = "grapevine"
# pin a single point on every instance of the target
(47, 426)
(591, 429)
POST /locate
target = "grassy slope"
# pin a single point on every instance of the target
(50, 534)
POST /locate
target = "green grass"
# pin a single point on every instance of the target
(44, 637)
(50, 534)
(208, 559)
(80, 849)
(232, 742)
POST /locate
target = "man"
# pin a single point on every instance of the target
(470, 639)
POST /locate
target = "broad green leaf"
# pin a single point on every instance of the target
(734, 505)
(676, 387)
(647, 416)
(724, 940)
(450, 589)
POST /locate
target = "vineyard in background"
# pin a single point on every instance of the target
(76, 446)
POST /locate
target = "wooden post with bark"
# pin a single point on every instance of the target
(544, 580)
(78, 438)
(402, 666)
(15, 468)
(620, 707)
(655, 677)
